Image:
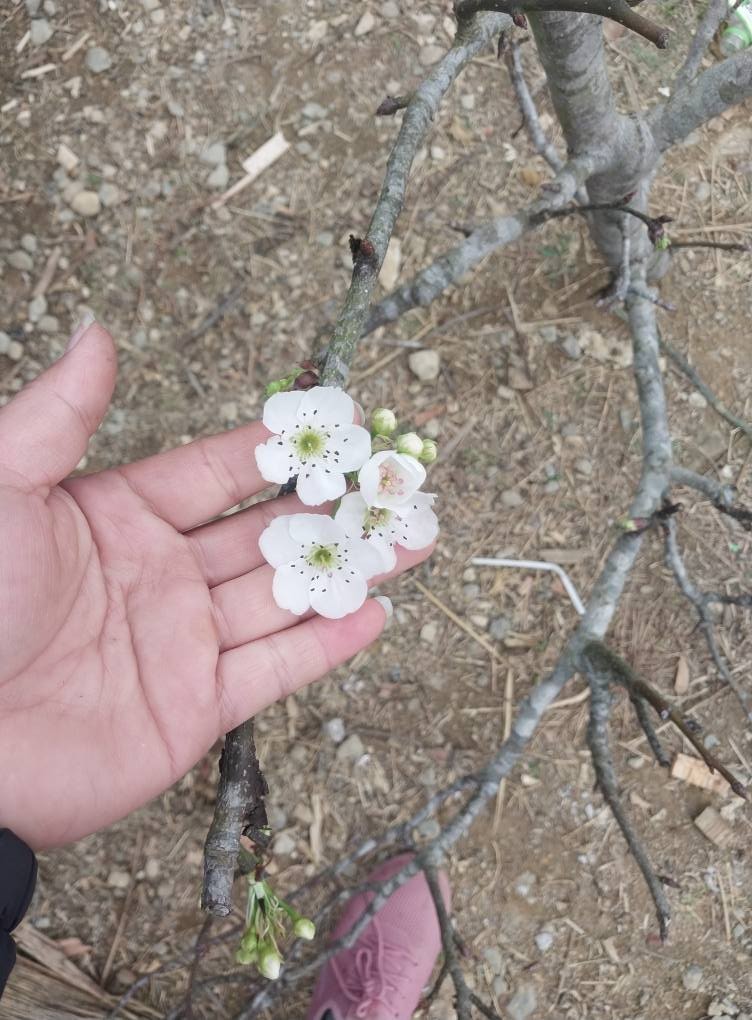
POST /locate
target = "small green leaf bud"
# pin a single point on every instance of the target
(410, 443)
(304, 928)
(383, 421)
(429, 452)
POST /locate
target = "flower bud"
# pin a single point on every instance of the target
(269, 962)
(304, 928)
(429, 452)
(410, 443)
(244, 956)
(383, 421)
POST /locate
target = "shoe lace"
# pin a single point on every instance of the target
(375, 977)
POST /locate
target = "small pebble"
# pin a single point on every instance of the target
(429, 632)
(692, 978)
(118, 879)
(110, 195)
(425, 364)
(571, 347)
(334, 729)
(524, 884)
(523, 1003)
(697, 400)
(429, 828)
(500, 627)
(86, 203)
(512, 498)
(284, 844)
(351, 749)
(41, 31)
(219, 177)
(365, 25)
(584, 466)
(49, 324)
(505, 392)
(471, 591)
(228, 411)
(20, 260)
(98, 60)
(29, 243)
(5, 342)
(551, 487)
(15, 351)
(548, 334)
(544, 940)
(152, 868)
(314, 111)
(430, 55)
(37, 308)
(214, 154)
(494, 959)
(390, 9)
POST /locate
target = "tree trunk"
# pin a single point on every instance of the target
(571, 51)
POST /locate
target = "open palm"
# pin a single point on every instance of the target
(132, 632)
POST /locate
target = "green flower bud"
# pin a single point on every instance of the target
(269, 962)
(245, 956)
(304, 928)
(275, 387)
(383, 422)
(429, 453)
(410, 443)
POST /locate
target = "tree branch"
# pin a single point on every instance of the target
(615, 10)
(541, 144)
(715, 90)
(462, 1002)
(239, 808)
(714, 14)
(416, 122)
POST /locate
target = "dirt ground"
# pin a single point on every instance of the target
(535, 413)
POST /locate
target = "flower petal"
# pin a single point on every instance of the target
(352, 444)
(276, 544)
(385, 548)
(339, 594)
(363, 556)
(416, 529)
(315, 529)
(291, 588)
(281, 410)
(316, 485)
(351, 514)
(274, 461)
(326, 405)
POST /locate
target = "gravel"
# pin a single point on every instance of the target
(37, 308)
(366, 24)
(351, 749)
(571, 347)
(425, 364)
(692, 978)
(214, 154)
(118, 879)
(110, 195)
(29, 243)
(5, 342)
(334, 729)
(20, 260)
(544, 940)
(98, 60)
(219, 177)
(429, 632)
(512, 498)
(500, 627)
(430, 54)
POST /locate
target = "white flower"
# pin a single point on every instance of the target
(315, 439)
(413, 525)
(317, 565)
(390, 479)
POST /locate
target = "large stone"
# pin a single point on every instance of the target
(41, 31)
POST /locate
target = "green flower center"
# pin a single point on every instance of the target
(375, 518)
(310, 442)
(323, 557)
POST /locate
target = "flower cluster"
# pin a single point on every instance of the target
(324, 562)
(265, 921)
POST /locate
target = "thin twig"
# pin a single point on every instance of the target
(541, 144)
(702, 387)
(714, 14)
(599, 674)
(694, 595)
(462, 1003)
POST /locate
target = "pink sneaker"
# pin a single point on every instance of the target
(382, 976)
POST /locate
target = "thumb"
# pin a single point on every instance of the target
(44, 431)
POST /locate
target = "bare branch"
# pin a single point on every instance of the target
(715, 90)
(462, 1002)
(702, 387)
(416, 123)
(453, 264)
(240, 805)
(714, 14)
(541, 144)
(615, 10)
(698, 600)
(599, 674)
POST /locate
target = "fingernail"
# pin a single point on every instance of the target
(386, 604)
(87, 319)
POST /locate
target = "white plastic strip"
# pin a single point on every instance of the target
(485, 561)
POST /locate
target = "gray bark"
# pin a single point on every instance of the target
(571, 51)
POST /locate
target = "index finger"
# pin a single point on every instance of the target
(195, 483)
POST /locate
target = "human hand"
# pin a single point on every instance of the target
(132, 632)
